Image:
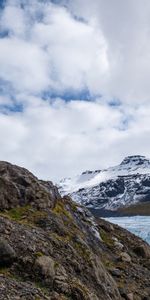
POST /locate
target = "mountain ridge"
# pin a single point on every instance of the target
(113, 188)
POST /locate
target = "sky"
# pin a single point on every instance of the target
(74, 84)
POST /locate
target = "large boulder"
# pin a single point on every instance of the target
(45, 266)
(7, 254)
(142, 250)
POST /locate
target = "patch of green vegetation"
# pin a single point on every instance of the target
(38, 254)
(5, 271)
(24, 214)
(17, 277)
(60, 209)
(64, 297)
(106, 238)
(120, 283)
(83, 251)
(40, 286)
(121, 265)
(8, 273)
(73, 206)
(77, 286)
(108, 263)
(17, 213)
(61, 238)
(56, 264)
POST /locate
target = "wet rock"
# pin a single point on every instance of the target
(7, 254)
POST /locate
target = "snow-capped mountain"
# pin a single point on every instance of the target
(112, 188)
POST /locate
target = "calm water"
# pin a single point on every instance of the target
(138, 225)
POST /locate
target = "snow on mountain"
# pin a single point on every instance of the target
(112, 188)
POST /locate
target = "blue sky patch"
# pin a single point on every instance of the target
(68, 95)
(114, 102)
(2, 3)
(4, 34)
(11, 108)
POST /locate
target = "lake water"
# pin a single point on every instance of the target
(139, 225)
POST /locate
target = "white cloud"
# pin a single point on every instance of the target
(98, 45)
(101, 45)
(13, 20)
(23, 65)
(52, 140)
(63, 139)
(46, 44)
(125, 27)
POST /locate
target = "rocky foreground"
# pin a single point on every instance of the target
(52, 248)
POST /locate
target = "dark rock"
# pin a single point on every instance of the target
(142, 250)
(7, 254)
(115, 272)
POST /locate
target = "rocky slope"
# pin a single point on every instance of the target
(52, 248)
(114, 189)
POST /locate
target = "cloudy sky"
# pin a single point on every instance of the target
(74, 83)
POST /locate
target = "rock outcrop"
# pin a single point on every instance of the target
(52, 248)
(19, 187)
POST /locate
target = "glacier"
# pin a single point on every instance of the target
(139, 225)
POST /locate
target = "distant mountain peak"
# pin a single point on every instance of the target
(112, 188)
(135, 159)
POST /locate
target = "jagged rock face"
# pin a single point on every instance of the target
(19, 187)
(59, 251)
(114, 188)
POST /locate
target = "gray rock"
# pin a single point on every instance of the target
(19, 187)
